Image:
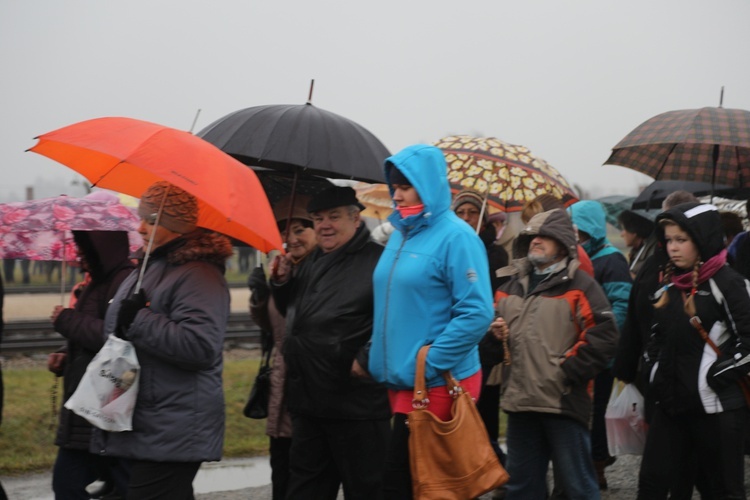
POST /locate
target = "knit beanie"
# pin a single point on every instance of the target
(471, 197)
(180, 210)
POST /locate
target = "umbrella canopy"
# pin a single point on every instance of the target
(278, 185)
(41, 229)
(376, 198)
(705, 145)
(509, 175)
(299, 138)
(128, 155)
(655, 193)
(616, 204)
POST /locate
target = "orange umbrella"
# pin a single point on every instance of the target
(128, 155)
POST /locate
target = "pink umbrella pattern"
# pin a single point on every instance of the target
(41, 229)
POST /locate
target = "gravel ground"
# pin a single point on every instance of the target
(622, 478)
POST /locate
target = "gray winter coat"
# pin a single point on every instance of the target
(179, 413)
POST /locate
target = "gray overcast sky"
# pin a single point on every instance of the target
(568, 79)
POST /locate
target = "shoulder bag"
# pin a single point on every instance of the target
(257, 403)
(450, 460)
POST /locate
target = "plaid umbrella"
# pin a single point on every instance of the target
(509, 174)
(706, 145)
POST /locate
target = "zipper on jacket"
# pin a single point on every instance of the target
(388, 301)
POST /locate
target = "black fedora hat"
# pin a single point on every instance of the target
(332, 197)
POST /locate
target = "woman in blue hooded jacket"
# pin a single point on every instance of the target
(431, 287)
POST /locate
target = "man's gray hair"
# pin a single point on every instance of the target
(678, 198)
(352, 210)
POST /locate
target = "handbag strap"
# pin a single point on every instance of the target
(420, 400)
(698, 325)
(265, 358)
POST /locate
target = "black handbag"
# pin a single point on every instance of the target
(257, 403)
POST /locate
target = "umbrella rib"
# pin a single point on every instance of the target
(101, 177)
(664, 163)
(548, 177)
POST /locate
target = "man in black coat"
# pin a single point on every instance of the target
(340, 421)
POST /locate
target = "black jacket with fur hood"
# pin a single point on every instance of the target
(178, 337)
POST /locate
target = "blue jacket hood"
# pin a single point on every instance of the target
(589, 217)
(425, 167)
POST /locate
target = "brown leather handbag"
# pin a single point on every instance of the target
(451, 460)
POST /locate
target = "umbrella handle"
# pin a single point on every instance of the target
(481, 212)
(150, 245)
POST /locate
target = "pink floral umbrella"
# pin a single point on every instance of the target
(41, 229)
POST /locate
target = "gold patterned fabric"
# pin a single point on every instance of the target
(511, 174)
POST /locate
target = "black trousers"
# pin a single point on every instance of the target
(159, 480)
(279, 451)
(488, 406)
(327, 452)
(682, 449)
(397, 469)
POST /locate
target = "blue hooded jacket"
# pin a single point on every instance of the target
(431, 284)
(611, 269)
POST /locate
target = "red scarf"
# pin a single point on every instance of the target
(409, 211)
(684, 281)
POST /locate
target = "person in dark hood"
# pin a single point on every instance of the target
(638, 235)
(176, 322)
(104, 255)
(697, 354)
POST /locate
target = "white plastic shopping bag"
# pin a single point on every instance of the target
(107, 392)
(626, 426)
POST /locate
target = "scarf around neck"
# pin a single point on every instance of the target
(409, 211)
(684, 281)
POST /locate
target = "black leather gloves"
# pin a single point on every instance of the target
(258, 285)
(128, 310)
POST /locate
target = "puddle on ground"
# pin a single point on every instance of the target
(227, 475)
(232, 474)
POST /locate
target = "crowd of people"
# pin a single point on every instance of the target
(539, 321)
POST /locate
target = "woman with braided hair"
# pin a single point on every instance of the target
(698, 351)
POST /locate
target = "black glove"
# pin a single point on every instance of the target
(722, 373)
(258, 285)
(128, 309)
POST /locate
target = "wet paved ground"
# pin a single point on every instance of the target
(243, 479)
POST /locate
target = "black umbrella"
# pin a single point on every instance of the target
(278, 185)
(300, 138)
(653, 195)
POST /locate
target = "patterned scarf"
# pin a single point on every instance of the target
(684, 281)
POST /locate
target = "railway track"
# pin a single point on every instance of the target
(28, 337)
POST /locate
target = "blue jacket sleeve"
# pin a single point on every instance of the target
(467, 274)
